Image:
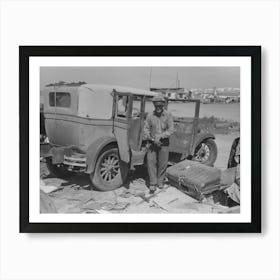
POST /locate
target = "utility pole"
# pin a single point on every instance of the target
(177, 81)
(150, 82)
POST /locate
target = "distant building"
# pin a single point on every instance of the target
(208, 95)
(172, 93)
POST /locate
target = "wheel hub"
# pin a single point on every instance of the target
(203, 152)
(109, 168)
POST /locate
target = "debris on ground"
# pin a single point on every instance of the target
(135, 199)
(46, 204)
(77, 196)
(233, 191)
(48, 188)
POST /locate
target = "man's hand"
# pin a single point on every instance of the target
(157, 140)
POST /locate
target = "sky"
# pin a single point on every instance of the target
(139, 77)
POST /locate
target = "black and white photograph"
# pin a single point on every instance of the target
(141, 135)
(140, 139)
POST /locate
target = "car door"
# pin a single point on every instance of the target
(185, 125)
(66, 129)
(121, 114)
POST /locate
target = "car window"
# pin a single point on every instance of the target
(60, 99)
(136, 107)
(52, 99)
(122, 105)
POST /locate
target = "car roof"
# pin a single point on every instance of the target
(103, 88)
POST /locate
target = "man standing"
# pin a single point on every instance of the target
(157, 130)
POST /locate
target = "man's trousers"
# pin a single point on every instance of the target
(157, 160)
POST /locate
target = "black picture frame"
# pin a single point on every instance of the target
(254, 52)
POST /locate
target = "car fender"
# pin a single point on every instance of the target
(95, 148)
(199, 138)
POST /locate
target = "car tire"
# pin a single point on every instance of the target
(110, 172)
(58, 171)
(206, 152)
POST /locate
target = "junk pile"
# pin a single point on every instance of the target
(167, 200)
(200, 181)
(192, 188)
(46, 204)
(230, 184)
(133, 199)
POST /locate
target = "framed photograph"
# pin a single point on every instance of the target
(140, 139)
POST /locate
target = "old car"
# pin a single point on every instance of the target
(97, 129)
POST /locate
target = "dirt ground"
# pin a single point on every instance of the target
(77, 196)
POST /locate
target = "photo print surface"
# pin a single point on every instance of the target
(105, 149)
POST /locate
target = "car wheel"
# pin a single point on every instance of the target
(110, 172)
(58, 170)
(206, 152)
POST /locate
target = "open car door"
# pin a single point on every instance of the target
(121, 114)
(186, 128)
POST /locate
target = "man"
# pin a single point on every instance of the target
(157, 130)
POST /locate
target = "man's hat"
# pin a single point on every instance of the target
(159, 98)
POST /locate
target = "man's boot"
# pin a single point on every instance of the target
(152, 188)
